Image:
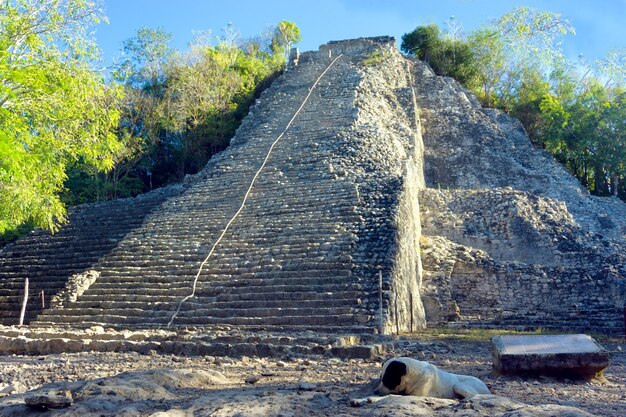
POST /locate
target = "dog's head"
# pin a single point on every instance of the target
(391, 378)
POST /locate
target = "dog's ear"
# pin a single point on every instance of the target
(393, 374)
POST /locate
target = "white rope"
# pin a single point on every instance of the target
(245, 198)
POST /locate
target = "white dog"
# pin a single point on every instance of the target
(406, 376)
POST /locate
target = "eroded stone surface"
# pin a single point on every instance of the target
(49, 399)
(510, 238)
(562, 355)
(334, 378)
(193, 393)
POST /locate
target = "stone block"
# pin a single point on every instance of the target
(51, 399)
(571, 355)
(358, 351)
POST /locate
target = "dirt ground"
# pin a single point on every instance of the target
(338, 379)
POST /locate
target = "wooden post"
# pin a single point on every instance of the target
(23, 312)
(411, 329)
(381, 324)
(395, 311)
(43, 300)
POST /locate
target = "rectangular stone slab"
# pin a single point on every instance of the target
(568, 355)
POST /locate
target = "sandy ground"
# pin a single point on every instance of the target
(336, 379)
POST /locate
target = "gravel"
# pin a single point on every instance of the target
(338, 379)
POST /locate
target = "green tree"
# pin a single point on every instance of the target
(488, 61)
(523, 42)
(142, 71)
(285, 35)
(585, 130)
(525, 103)
(423, 42)
(613, 68)
(54, 108)
(534, 36)
(143, 60)
(209, 91)
(447, 56)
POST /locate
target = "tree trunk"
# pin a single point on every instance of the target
(614, 184)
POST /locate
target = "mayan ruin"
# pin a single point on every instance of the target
(362, 198)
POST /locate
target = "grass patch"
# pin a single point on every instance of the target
(478, 335)
(375, 58)
(485, 335)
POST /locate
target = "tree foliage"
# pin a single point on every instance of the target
(68, 136)
(143, 59)
(517, 65)
(534, 35)
(55, 110)
(285, 35)
(180, 107)
(446, 55)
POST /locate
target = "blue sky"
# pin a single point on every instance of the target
(600, 24)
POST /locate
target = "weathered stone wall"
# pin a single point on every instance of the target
(388, 171)
(510, 237)
(406, 311)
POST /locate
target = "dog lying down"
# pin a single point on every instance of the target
(407, 376)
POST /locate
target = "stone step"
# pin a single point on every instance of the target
(52, 242)
(163, 238)
(234, 281)
(182, 320)
(246, 254)
(17, 288)
(167, 303)
(304, 210)
(209, 330)
(233, 245)
(271, 291)
(292, 295)
(42, 273)
(159, 311)
(40, 263)
(211, 272)
(13, 316)
(36, 252)
(226, 267)
(243, 297)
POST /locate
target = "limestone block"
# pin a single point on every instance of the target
(572, 355)
(49, 399)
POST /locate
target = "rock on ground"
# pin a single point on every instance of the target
(130, 384)
(187, 392)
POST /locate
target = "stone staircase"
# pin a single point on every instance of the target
(290, 261)
(49, 260)
(217, 342)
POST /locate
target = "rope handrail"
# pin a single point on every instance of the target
(247, 194)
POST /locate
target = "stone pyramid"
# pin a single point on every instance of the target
(384, 168)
